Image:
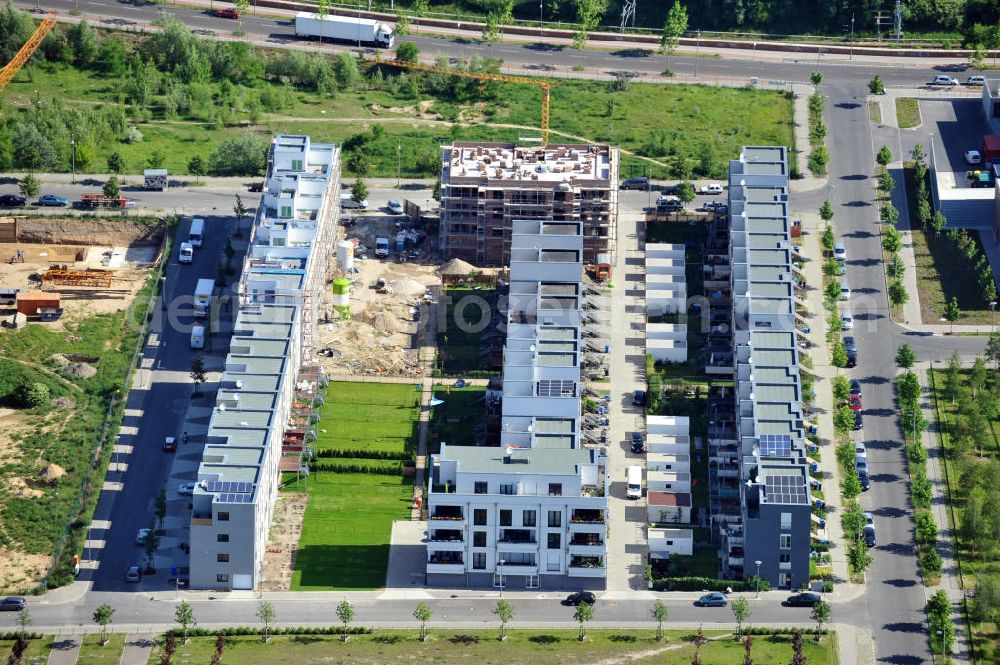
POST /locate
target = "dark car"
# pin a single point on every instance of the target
(580, 597)
(858, 420)
(638, 444)
(635, 183)
(170, 445)
(855, 388)
(803, 600)
(256, 187)
(13, 603)
(863, 477)
(870, 535)
(714, 599)
(639, 398)
(53, 200)
(12, 200)
(851, 346)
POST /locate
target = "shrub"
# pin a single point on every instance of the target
(697, 584)
(333, 467)
(32, 395)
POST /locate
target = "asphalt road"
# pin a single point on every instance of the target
(893, 606)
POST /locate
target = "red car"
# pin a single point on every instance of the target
(170, 445)
(227, 13)
(855, 402)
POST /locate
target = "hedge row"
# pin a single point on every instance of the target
(13, 635)
(235, 631)
(333, 467)
(364, 454)
(697, 584)
(788, 631)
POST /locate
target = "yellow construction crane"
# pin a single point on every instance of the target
(486, 76)
(11, 69)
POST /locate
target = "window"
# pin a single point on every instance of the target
(479, 517)
(479, 539)
(508, 489)
(496, 233)
(555, 518)
(222, 557)
(528, 518)
(555, 489)
(555, 541)
(222, 538)
(286, 212)
(222, 517)
(222, 578)
(784, 558)
(296, 164)
(785, 541)
(786, 521)
(277, 242)
(479, 561)
(481, 487)
(505, 517)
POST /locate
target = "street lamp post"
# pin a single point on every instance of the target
(758, 562)
(72, 143)
(501, 577)
(993, 306)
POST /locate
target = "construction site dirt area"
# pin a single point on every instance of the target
(283, 541)
(390, 303)
(93, 267)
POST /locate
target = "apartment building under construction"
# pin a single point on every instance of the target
(486, 186)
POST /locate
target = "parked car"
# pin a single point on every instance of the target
(53, 200)
(712, 189)
(638, 443)
(846, 321)
(870, 535)
(855, 387)
(978, 79)
(639, 398)
(227, 13)
(840, 251)
(580, 597)
(347, 202)
(807, 599)
(641, 183)
(858, 420)
(256, 186)
(13, 603)
(973, 157)
(187, 489)
(869, 518)
(134, 574)
(170, 445)
(717, 206)
(944, 80)
(395, 207)
(860, 451)
(863, 478)
(845, 291)
(855, 402)
(141, 535)
(12, 200)
(851, 346)
(714, 599)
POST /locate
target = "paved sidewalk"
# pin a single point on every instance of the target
(137, 649)
(950, 573)
(65, 650)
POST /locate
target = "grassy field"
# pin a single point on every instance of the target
(654, 119)
(907, 112)
(454, 422)
(92, 653)
(943, 272)
(38, 650)
(459, 343)
(478, 647)
(348, 520)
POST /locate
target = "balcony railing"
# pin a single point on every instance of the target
(586, 562)
(447, 537)
(448, 516)
(446, 560)
(587, 518)
(586, 542)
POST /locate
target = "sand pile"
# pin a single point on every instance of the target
(457, 267)
(408, 287)
(382, 321)
(50, 473)
(80, 370)
(19, 488)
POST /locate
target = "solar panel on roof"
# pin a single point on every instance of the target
(775, 445)
(235, 497)
(785, 489)
(556, 388)
(229, 486)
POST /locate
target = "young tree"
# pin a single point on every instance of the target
(584, 613)
(832, 290)
(659, 614)
(156, 160)
(29, 186)
(267, 615)
(828, 240)
(905, 357)
(884, 156)
(23, 622)
(952, 313)
(504, 612)
(116, 163)
(977, 57)
(323, 9)
(198, 167)
(977, 377)
(924, 213)
(858, 558)
(588, 16)
(345, 612)
(685, 192)
(826, 214)
(102, 617)
(673, 29)
(151, 545)
(169, 647)
(993, 350)
(748, 649)
(699, 640)
(895, 268)
(892, 240)
(111, 187)
(816, 78)
(875, 86)
(741, 612)
(820, 614)
(886, 182)
(220, 646)
(889, 214)
(843, 419)
(798, 655)
(241, 8)
(897, 293)
(938, 222)
(423, 614)
(408, 52)
(198, 374)
(841, 388)
(359, 190)
(184, 615)
(402, 28)
(160, 508)
(839, 356)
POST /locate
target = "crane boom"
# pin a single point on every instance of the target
(11, 69)
(546, 86)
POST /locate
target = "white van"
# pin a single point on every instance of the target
(634, 478)
(186, 255)
(198, 337)
(196, 236)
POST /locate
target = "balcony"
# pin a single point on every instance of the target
(587, 517)
(447, 536)
(201, 519)
(445, 562)
(586, 566)
(448, 513)
(587, 540)
(517, 536)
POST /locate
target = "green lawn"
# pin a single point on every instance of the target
(481, 647)
(348, 520)
(943, 272)
(92, 653)
(907, 112)
(38, 650)
(468, 312)
(454, 422)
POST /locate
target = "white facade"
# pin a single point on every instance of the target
(666, 282)
(668, 471)
(664, 542)
(289, 253)
(667, 342)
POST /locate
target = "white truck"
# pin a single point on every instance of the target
(196, 236)
(197, 337)
(155, 179)
(344, 29)
(203, 297)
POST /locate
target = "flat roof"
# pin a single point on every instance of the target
(673, 499)
(553, 163)
(557, 461)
